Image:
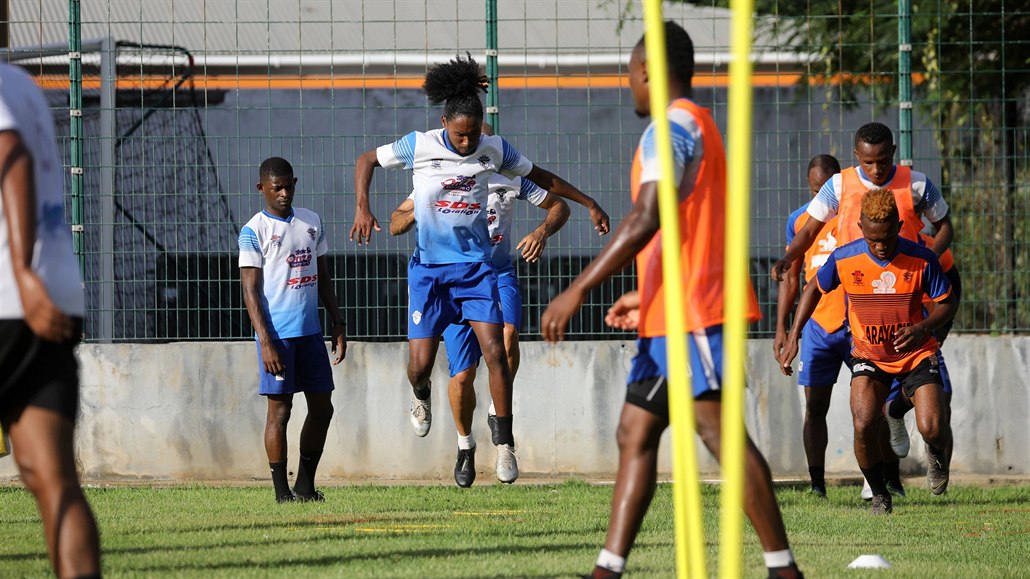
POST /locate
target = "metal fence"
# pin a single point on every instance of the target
(181, 101)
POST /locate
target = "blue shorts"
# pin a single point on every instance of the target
(442, 294)
(307, 367)
(945, 379)
(650, 364)
(822, 354)
(462, 346)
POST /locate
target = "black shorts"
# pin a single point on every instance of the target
(926, 372)
(651, 394)
(35, 372)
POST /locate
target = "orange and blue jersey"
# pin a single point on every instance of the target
(700, 164)
(831, 310)
(885, 296)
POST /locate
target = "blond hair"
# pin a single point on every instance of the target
(879, 205)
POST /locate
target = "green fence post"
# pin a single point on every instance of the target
(905, 81)
(75, 140)
(492, 100)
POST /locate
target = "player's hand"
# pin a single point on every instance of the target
(625, 312)
(556, 317)
(600, 219)
(41, 315)
(532, 246)
(787, 355)
(339, 343)
(909, 337)
(364, 223)
(272, 358)
(779, 341)
(779, 268)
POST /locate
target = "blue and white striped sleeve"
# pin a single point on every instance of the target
(513, 164)
(530, 191)
(321, 246)
(685, 141)
(400, 153)
(931, 203)
(826, 203)
(250, 249)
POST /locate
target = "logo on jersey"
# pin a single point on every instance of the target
(883, 333)
(435, 163)
(302, 282)
(501, 193)
(459, 183)
(908, 276)
(857, 276)
(863, 367)
(277, 240)
(456, 207)
(416, 317)
(496, 239)
(484, 160)
(299, 258)
(829, 244)
(491, 216)
(885, 285)
(311, 233)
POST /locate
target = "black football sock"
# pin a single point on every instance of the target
(874, 476)
(504, 435)
(898, 407)
(306, 472)
(892, 472)
(818, 475)
(422, 393)
(279, 480)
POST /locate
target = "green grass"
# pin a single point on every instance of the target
(516, 531)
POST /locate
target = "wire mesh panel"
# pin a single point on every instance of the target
(202, 92)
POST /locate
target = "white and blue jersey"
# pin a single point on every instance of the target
(286, 251)
(500, 211)
(450, 192)
(926, 198)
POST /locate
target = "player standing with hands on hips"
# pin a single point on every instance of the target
(285, 273)
(450, 277)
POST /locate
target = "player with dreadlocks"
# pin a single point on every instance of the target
(450, 277)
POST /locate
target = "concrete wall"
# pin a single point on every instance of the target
(190, 411)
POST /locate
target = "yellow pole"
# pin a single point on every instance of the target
(737, 285)
(690, 543)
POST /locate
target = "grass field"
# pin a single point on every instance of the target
(507, 531)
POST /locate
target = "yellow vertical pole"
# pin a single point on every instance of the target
(737, 285)
(690, 543)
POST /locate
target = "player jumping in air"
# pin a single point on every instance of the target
(450, 276)
(285, 273)
(884, 277)
(700, 165)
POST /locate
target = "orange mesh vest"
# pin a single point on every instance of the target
(947, 260)
(702, 210)
(882, 299)
(830, 311)
(850, 211)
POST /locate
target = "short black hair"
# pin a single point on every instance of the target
(874, 134)
(827, 163)
(275, 167)
(457, 84)
(679, 50)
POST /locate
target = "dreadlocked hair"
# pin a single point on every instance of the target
(457, 84)
(879, 206)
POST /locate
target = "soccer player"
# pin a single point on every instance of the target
(915, 195)
(884, 277)
(450, 277)
(701, 173)
(41, 310)
(462, 348)
(285, 273)
(825, 342)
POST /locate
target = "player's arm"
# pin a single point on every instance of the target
(556, 185)
(327, 295)
(788, 292)
(403, 218)
(364, 221)
(825, 281)
(945, 234)
(632, 235)
(18, 186)
(253, 292)
(625, 312)
(797, 248)
(956, 290)
(937, 286)
(532, 246)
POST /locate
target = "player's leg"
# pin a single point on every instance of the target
(315, 377)
(511, 348)
(511, 312)
(821, 356)
(43, 442)
(278, 391)
(815, 435)
(462, 359)
(923, 387)
(868, 393)
(421, 357)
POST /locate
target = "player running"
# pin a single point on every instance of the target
(450, 277)
(284, 273)
(700, 165)
(884, 277)
(825, 342)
